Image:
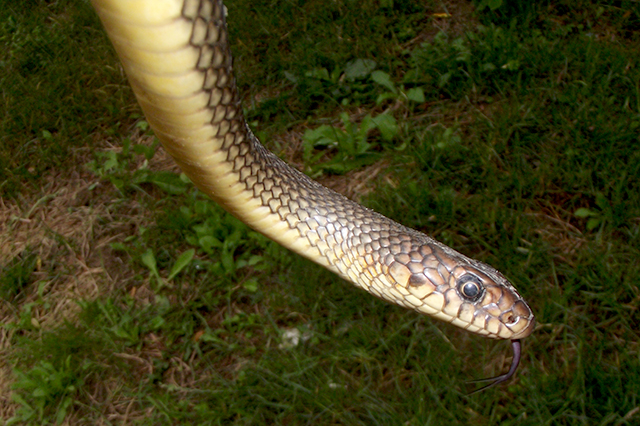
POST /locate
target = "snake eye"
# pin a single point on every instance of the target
(470, 287)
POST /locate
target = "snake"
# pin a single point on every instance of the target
(178, 61)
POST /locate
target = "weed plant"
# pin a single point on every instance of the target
(510, 134)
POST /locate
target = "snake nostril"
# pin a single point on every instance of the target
(511, 319)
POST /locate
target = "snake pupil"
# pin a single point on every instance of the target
(470, 287)
(471, 290)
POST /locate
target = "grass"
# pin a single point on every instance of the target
(511, 135)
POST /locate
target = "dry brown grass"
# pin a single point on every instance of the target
(68, 221)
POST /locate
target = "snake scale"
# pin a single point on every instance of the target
(178, 61)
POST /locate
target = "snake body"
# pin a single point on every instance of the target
(177, 59)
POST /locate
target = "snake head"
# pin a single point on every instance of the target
(464, 292)
(483, 298)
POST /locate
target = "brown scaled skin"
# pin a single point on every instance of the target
(178, 60)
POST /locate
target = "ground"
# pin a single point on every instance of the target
(129, 298)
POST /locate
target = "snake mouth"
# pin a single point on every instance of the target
(519, 325)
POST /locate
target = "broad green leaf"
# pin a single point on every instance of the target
(183, 260)
(487, 67)
(251, 285)
(601, 201)
(511, 65)
(322, 136)
(416, 94)
(383, 79)
(368, 123)
(494, 4)
(443, 79)
(62, 410)
(147, 151)
(340, 166)
(387, 126)
(318, 73)
(593, 223)
(169, 182)
(226, 257)
(359, 68)
(583, 213)
(254, 260)
(118, 247)
(111, 161)
(290, 76)
(149, 260)
(142, 125)
(208, 243)
(384, 96)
